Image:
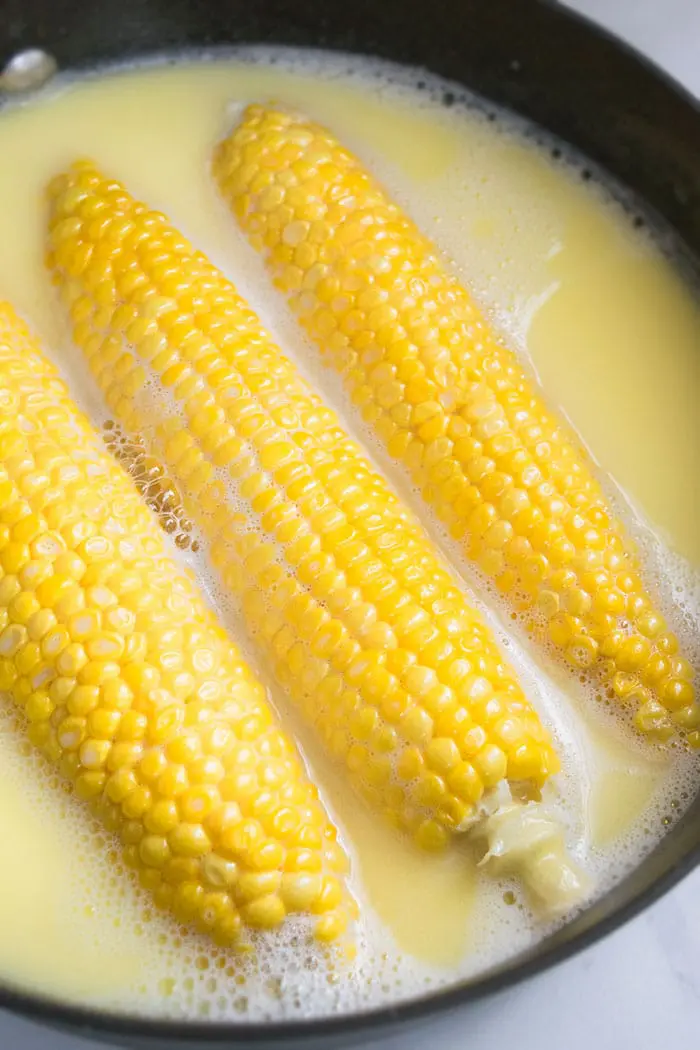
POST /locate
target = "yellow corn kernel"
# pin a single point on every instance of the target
(109, 714)
(446, 397)
(341, 588)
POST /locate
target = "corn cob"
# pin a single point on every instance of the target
(455, 408)
(359, 619)
(131, 688)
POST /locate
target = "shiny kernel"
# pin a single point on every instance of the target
(219, 872)
(687, 717)
(243, 837)
(410, 764)
(120, 785)
(525, 763)
(12, 638)
(94, 753)
(331, 926)
(172, 782)
(442, 755)
(330, 895)
(562, 630)
(152, 764)
(430, 790)
(124, 753)
(491, 764)
(154, 850)
(253, 884)
(682, 668)
(676, 693)
(83, 699)
(89, 785)
(301, 891)
(650, 624)
(23, 608)
(71, 733)
(652, 718)
(264, 912)
(633, 653)
(416, 726)
(364, 722)
(162, 817)
(582, 651)
(133, 726)
(432, 836)
(105, 646)
(28, 661)
(610, 645)
(13, 556)
(196, 803)
(667, 643)
(187, 900)
(302, 859)
(268, 856)
(71, 659)
(39, 707)
(189, 840)
(577, 601)
(464, 780)
(549, 603)
(137, 803)
(420, 681)
(116, 695)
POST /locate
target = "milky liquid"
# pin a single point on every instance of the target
(614, 334)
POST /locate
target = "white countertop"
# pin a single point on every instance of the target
(640, 988)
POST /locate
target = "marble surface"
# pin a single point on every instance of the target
(640, 987)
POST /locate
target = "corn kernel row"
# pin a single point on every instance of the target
(131, 688)
(454, 406)
(359, 619)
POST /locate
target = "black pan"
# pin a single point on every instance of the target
(563, 74)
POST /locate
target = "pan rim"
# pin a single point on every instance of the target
(93, 1022)
(111, 1026)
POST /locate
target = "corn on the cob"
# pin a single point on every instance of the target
(454, 407)
(361, 622)
(132, 689)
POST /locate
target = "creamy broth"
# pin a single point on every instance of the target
(613, 333)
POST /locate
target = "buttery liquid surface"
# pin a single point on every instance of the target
(614, 335)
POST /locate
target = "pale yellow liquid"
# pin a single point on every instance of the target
(614, 335)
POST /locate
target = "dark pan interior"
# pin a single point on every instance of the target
(529, 56)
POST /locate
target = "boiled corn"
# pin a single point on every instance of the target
(131, 688)
(454, 406)
(359, 619)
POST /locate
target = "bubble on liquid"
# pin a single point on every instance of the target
(27, 71)
(151, 478)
